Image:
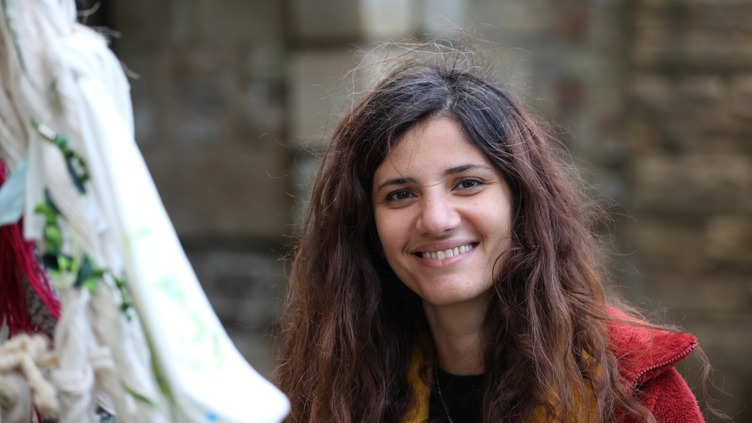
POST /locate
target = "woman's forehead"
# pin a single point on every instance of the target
(432, 148)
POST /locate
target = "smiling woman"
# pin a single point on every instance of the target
(446, 272)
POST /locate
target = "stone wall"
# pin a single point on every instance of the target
(652, 97)
(686, 128)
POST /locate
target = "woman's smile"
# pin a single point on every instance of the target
(448, 253)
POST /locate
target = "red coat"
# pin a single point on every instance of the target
(646, 359)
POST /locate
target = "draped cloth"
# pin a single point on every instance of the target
(166, 356)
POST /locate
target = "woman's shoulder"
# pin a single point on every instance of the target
(643, 350)
(646, 355)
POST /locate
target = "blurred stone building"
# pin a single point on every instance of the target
(652, 97)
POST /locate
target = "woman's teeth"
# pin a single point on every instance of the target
(441, 255)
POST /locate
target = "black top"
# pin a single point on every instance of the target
(461, 394)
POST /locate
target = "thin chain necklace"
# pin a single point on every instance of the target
(441, 395)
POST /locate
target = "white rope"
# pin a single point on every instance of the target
(27, 357)
(15, 398)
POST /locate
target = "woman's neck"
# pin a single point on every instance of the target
(456, 331)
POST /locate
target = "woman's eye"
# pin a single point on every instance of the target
(469, 184)
(399, 195)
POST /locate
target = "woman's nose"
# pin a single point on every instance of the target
(437, 215)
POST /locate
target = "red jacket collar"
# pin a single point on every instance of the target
(644, 352)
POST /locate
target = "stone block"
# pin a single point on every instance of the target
(688, 53)
(724, 336)
(726, 341)
(692, 184)
(384, 19)
(182, 23)
(712, 130)
(657, 242)
(704, 15)
(215, 98)
(216, 192)
(706, 291)
(142, 19)
(692, 249)
(261, 21)
(740, 97)
(325, 19)
(319, 93)
(573, 20)
(304, 170)
(149, 94)
(729, 241)
(258, 350)
(701, 90)
(510, 22)
(258, 102)
(246, 288)
(439, 17)
(686, 130)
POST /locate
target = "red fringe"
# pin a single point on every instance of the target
(18, 264)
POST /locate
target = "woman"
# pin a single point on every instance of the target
(445, 272)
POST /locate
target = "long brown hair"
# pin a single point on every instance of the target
(350, 327)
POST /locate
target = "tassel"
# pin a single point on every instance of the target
(18, 264)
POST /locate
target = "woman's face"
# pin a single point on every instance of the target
(443, 214)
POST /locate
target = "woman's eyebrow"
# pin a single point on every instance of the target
(395, 181)
(446, 173)
(462, 168)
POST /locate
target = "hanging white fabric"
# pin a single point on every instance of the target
(75, 88)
